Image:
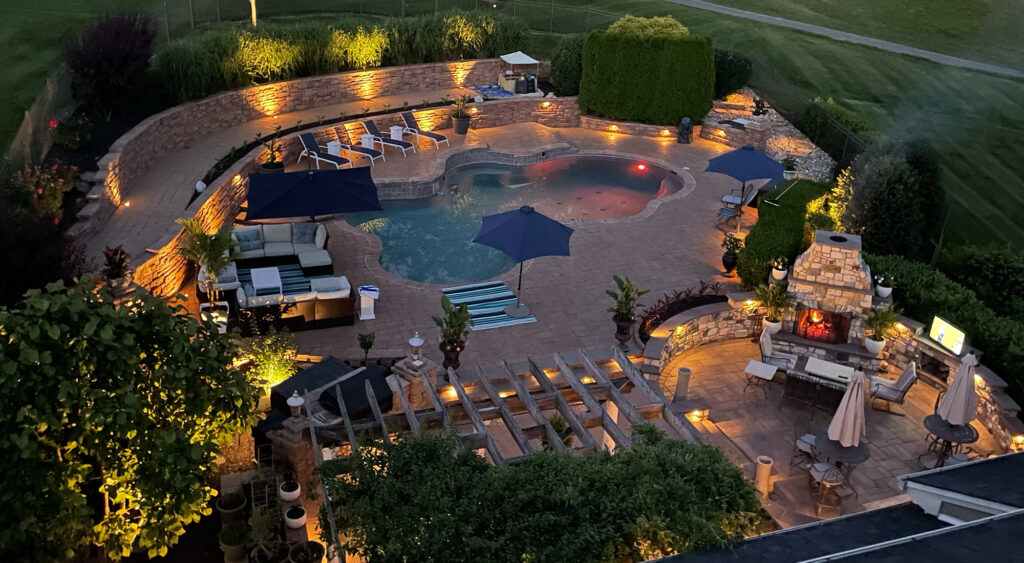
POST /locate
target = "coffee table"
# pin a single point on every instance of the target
(266, 281)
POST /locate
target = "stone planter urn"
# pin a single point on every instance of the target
(874, 346)
(451, 351)
(771, 327)
(729, 260)
(622, 330)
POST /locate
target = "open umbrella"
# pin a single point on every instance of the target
(312, 192)
(524, 234)
(847, 425)
(960, 405)
(745, 164)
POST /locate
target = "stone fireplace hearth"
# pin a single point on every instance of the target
(832, 292)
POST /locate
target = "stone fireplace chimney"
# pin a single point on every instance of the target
(830, 280)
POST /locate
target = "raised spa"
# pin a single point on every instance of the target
(431, 240)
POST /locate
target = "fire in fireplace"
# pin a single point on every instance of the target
(823, 326)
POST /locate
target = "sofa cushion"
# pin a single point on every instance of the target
(304, 233)
(331, 288)
(278, 249)
(297, 297)
(321, 235)
(248, 239)
(313, 258)
(242, 295)
(264, 300)
(277, 233)
(299, 247)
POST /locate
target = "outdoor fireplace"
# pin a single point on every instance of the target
(822, 326)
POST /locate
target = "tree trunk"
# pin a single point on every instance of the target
(252, 11)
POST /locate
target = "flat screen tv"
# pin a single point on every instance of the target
(947, 335)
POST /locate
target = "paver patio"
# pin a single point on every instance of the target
(751, 425)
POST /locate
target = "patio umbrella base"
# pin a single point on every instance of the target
(517, 310)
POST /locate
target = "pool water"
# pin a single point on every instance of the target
(431, 240)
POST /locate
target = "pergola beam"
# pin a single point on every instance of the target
(642, 384)
(345, 418)
(474, 417)
(609, 425)
(510, 419)
(371, 397)
(564, 408)
(531, 406)
(620, 400)
(439, 406)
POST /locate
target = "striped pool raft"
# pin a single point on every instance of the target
(486, 303)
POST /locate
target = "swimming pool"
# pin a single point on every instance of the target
(431, 240)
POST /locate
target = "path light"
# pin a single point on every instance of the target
(697, 416)
(127, 203)
(415, 342)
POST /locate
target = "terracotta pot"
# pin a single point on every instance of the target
(874, 346)
(451, 351)
(622, 329)
(771, 327)
(729, 260)
(883, 291)
(779, 274)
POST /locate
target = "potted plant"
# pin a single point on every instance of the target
(732, 246)
(880, 321)
(883, 285)
(624, 311)
(289, 491)
(460, 116)
(295, 516)
(454, 326)
(789, 167)
(366, 342)
(233, 538)
(212, 252)
(265, 543)
(776, 301)
(272, 164)
(117, 263)
(307, 552)
(231, 506)
(780, 268)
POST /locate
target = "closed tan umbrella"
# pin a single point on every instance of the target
(960, 405)
(848, 423)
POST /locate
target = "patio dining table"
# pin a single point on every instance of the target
(946, 439)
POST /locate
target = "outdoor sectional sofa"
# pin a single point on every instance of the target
(269, 243)
(329, 302)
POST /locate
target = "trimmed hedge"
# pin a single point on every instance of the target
(924, 292)
(779, 232)
(221, 59)
(814, 124)
(732, 72)
(647, 78)
(567, 64)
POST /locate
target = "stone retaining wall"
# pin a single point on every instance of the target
(740, 318)
(176, 128)
(629, 127)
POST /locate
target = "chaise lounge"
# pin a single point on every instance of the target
(371, 128)
(411, 126)
(372, 154)
(319, 153)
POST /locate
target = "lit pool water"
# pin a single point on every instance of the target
(431, 240)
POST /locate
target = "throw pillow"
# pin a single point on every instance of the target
(303, 233)
(248, 240)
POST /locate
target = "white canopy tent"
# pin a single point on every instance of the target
(519, 58)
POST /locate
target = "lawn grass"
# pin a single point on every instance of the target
(984, 30)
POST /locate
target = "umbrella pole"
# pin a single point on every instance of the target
(739, 210)
(518, 310)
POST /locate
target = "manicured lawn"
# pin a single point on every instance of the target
(984, 30)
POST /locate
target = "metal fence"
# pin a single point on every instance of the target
(177, 17)
(797, 106)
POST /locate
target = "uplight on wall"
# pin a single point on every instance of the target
(545, 105)
(1017, 443)
(613, 127)
(665, 132)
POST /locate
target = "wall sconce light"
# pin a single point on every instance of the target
(720, 133)
(665, 132)
(474, 110)
(1017, 443)
(697, 416)
(545, 105)
(613, 127)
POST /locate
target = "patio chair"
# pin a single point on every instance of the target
(378, 137)
(354, 149)
(892, 391)
(771, 356)
(412, 127)
(319, 153)
(806, 455)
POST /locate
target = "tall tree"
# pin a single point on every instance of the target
(112, 417)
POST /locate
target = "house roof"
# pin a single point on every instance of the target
(992, 538)
(996, 479)
(822, 538)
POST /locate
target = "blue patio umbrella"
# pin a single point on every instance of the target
(745, 164)
(312, 192)
(524, 234)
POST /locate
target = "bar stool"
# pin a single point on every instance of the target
(826, 499)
